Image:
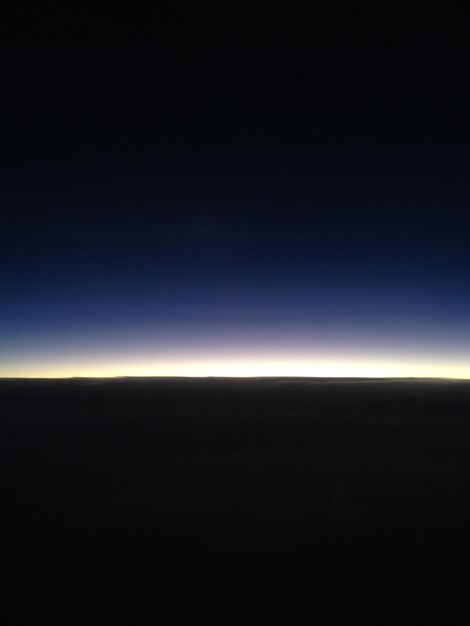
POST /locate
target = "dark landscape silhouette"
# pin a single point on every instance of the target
(161, 500)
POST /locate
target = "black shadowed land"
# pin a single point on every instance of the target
(314, 501)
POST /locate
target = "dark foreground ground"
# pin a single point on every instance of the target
(211, 501)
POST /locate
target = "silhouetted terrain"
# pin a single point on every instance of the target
(220, 501)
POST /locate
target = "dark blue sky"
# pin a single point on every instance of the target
(197, 191)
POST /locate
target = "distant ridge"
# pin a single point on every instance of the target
(279, 379)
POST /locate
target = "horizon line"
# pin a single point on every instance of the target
(248, 377)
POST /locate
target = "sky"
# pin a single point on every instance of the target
(194, 191)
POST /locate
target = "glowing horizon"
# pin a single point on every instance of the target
(243, 368)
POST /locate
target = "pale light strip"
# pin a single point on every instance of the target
(245, 368)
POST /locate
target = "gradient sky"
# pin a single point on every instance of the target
(231, 193)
